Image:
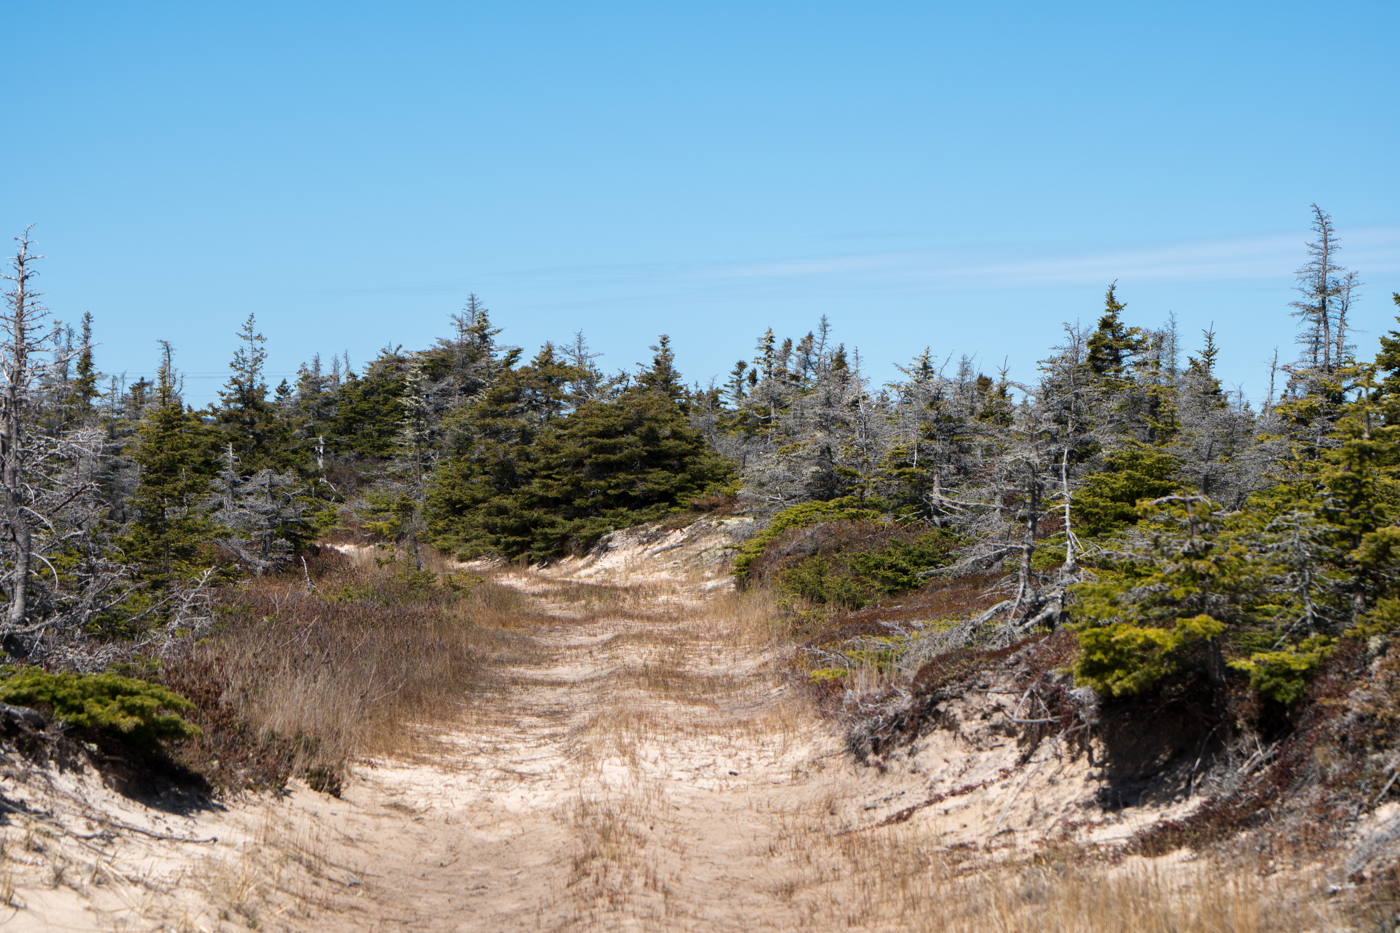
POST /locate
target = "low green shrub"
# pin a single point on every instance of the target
(1122, 659)
(1283, 675)
(120, 706)
(801, 515)
(852, 573)
(902, 565)
(818, 580)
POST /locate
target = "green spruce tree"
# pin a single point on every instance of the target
(1112, 348)
(176, 456)
(245, 416)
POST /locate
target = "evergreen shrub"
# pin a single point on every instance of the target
(137, 711)
(1121, 659)
(802, 515)
(855, 568)
(603, 467)
(1108, 501)
(1283, 675)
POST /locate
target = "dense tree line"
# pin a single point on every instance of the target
(1123, 490)
(1187, 535)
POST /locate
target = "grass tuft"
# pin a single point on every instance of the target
(302, 682)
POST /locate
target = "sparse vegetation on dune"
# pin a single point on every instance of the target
(1112, 648)
(642, 752)
(367, 659)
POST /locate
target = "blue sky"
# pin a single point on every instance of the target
(966, 177)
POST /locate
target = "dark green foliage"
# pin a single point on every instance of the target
(176, 456)
(387, 515)
(608, 466)
(1388, 358)
(1108, 500)
(1112, 348)
(85, 390)
(661, 376)
(800, 516)
(903, 565)
(853, 571)
(491, 452)
(533, 481)
(1204, 367)
(1283, 675)
(1213, 592)
(1122, 659)
(820, 580)
(1337, 510)
(469, 362)
(139, 712)
(245, 417)
(369, 409)
(1139, 621)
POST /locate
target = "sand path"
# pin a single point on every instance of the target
(640, 759)
(643, 770)
(641, 762)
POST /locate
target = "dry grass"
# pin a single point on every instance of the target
(274, 880)
(1068, 899)
(367, 660)
(904, 879)
(618, 732)
(358, 666)
(670, 681)
(590, 602)
(611, 873)
(752, 618)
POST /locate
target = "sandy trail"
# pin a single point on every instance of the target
(642, 771)
(640, 761)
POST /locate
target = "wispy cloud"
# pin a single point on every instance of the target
(1269, 257)
(1374, 252)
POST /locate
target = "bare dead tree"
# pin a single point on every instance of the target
(1348, 292)
(51, 506)
(256, 512)
(21, 319)
(1323, 284)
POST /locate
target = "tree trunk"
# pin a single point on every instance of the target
(1032, 526)
(12, 399)
(1070, 556)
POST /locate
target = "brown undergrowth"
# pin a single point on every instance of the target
(1302, 777)
(897, 716)
(876, 636)
(301, 679)
(1283, 790)
(955, 598)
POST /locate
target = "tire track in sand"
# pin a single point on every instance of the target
(646, 768)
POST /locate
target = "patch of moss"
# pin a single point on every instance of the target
(826, 674)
